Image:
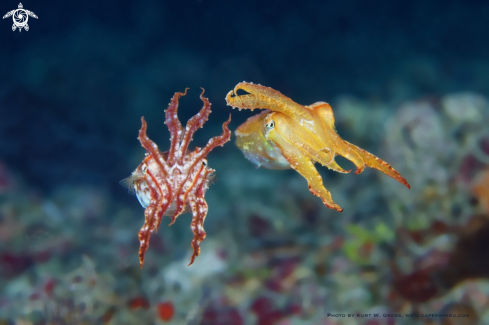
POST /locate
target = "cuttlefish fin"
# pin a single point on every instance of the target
(325, 111)
(328, 132)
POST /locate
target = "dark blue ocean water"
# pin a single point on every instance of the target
(73, 87)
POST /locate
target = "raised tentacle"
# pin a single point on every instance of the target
(216, 141)
(264, 97)
(195, 123)
(151, 147)
(174, 126)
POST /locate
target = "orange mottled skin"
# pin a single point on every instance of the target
(290, 135)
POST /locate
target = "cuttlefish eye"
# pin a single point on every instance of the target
(270, 125)
(204, 162)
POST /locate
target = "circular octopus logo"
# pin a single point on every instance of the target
(20, 17)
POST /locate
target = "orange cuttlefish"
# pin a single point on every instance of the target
(290, 135)
(174, 182)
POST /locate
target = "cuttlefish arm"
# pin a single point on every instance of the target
(258, 96)
(277, 131)
(373, 162)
